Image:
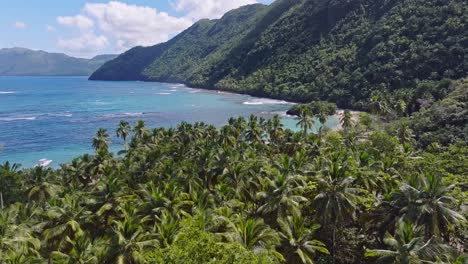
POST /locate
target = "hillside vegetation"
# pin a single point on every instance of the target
(303, 50)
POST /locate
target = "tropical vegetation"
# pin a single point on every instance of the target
(249, 192)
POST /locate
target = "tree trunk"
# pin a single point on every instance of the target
(333, 243)
(1, 200)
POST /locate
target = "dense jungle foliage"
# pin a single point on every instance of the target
(303, 50)
(391, 187)
(249, 192)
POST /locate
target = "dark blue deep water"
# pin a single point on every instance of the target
(56, 117)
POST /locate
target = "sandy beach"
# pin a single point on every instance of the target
(340, 113)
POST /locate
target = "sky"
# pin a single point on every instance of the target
(85, 28)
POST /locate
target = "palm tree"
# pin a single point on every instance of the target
(253, 234)
(298, 237)
(81, 250)
(9, 182)
(65, 221)
(428, 204)
(167, 227)
(335, 202)
(16, 238)
(101, 140)
(405, 134)
(305, 120)
(130, 241)
(123, 131)
(254, 131)
(140, 129)
(346, 120)
(407, 247)
(322, 116)
(41, 189)
(276, 129)
(379, 105)
(283, 194)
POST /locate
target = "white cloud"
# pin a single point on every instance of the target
(19, 25)
(120, 26)
(116, 26)
(198, 9)
(87, 44)
(50, 28)
(79, 21)
(132, 25)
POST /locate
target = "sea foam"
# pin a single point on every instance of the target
(9, 119)
(129, 114)
(263, 101)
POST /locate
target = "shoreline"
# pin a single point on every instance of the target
(187, 85)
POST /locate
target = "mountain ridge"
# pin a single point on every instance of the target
(335, 50)
(18, 61)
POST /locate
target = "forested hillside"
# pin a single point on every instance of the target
(303, 50)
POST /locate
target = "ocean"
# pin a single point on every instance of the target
(56, 117)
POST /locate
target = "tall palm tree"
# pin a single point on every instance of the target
(299, 238)
(123, 131)
(276, 129)
(254, 132)
(305, 120)
(335, 202)
(101, 140)
(9, 182)
(404, 133)
(140, 129)
(346, 120)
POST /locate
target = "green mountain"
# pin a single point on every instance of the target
(25, 62)
(345, 51)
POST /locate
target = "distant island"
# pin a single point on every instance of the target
(26, 62)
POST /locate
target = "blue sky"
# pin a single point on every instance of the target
(87, 28)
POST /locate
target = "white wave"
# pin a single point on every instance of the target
(7, 92)
(130, 114)
(163, 93)
(263, 101)
(8, 119)
(64, 114)
(134, 114)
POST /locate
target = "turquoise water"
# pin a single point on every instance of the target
(56, 117)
